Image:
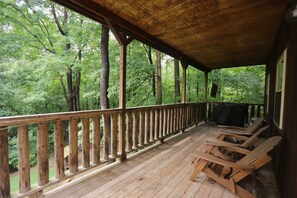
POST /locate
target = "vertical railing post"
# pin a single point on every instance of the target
(59, 149)
(42, 154)
(206, 94)
(24, 160)
(123, 40)
(4, 165)
(86, 142)
(184, 91)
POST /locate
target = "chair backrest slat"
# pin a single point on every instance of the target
(261, 150)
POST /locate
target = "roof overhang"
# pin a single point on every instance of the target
(205, 34)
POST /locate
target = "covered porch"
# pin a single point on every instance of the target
(252, 33)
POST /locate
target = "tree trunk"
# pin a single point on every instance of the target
(176, 80)
(70, 90)
(150, 58)
(104, 101)
(159, 78)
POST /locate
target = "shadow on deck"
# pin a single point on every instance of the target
(162, 171)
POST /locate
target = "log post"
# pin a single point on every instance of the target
(114, 136)
(206, 93)
(59, 150)
(42, 154)
(24, 160)
(123, 40)
(184, 91)
(4, 165)
(86, 143)
(96, 140)
(106, 130)
(73, 145)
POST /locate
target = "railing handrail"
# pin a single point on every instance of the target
(39, 118)
(238, 103)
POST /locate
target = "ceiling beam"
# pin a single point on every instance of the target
(98, 13)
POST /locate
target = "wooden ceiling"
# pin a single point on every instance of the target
(207, 34)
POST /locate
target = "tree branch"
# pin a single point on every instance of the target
(57, 20)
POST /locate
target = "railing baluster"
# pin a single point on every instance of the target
(147, 127)
(171, 120)
(4, 164)
(142, 128)
(168, 120)
(136, 130)
(59, 150)
(106, 131)
(165, 122)
(258, 111)
(24, 161)
(153, 125)
(86, 142)
(96, 140)
(42, 154)
(157, 124)
(114, 136)
(73, 145)
(129, 131)
(160, 123)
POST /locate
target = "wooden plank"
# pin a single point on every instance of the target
(73, 145)
(24, 161)
(96, 140)
(42, 154)
(114, 136)
(136, 130)
(59, 150)
(4, 164)
(130, 177)
(155, 179)
(106, 131)
(86, 142)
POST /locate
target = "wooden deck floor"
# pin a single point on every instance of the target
(162, 171)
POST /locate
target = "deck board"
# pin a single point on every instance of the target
(162, 171)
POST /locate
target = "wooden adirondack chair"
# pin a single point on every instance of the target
(240, 141)
(242, 131)
(213, 166)
(218, 146)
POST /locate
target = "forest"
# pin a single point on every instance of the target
(55, 60)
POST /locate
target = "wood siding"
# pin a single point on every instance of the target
(285, 158)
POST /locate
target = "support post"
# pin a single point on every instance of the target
(123, 40)
(206, 94)
(184, 93)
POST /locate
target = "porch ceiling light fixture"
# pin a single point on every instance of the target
(291, 13)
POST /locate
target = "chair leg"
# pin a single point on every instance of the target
(199, 165)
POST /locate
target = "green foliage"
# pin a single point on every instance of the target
(241, 84)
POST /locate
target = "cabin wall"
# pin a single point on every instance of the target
(285, 156)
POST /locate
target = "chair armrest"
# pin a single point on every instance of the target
(231, 127)
(211, 158)
(231, 135)
(228, 146)
(222, 142)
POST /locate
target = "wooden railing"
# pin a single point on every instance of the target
(143, 127)
(253, 110)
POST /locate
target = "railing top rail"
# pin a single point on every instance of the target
(38, 118)
(238, 103)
